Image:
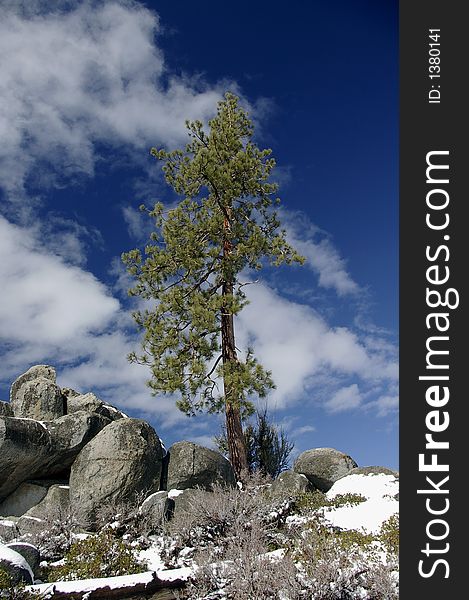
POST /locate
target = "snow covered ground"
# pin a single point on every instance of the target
(368, 516)
(380, 493)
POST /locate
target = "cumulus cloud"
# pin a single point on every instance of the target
(54, 310)
(87, 74)
(80, 75)
(299, 346)
(42, 296)
(347, 398)
(322, 257)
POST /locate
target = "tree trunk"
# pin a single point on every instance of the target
(234, 427)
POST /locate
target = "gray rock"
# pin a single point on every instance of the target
(69, 392)
(289, 482)
(191, 465)
(22, 499)
(5, 409)
(157, 508)
(123, 460)
(70, 434)
(31, 526)
(45, 371)
(372, 471)
(55, 505)
(323, 466)
(29, 552)
(184, 500)
(39, 399)
(8, 529)
(30, 448)
(15, 566)
(90, 403)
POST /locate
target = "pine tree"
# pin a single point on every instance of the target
(191, 268)
(268, 449)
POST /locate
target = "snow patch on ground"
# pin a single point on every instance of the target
(380, 504)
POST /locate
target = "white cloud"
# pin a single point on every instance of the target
(74, 79)
(43, 298)
(300, 348)
(347, 398)
(305, 429)
(385, 405)
(93, 75)
(321, 255)
(54, 311)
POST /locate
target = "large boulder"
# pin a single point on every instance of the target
(36, 395)
(323, 466)
(29, 552)
(22, 499)
(157, 509)
(39, 399)
(55, 506)
(123, 460)
(35, 372)
(372, 471)
(291, 483)
(91, 403)
(15, 566)
(30, 448)
(191, 466)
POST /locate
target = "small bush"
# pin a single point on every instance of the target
(311, 501)
(100, 555)
(13, 592)
(389, 534)
(60, 528)
(344, 499)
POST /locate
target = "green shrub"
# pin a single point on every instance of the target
(13, 592)
(311, 501)
(349, 538)
(389, 534)
(344, 499)
(100, 555)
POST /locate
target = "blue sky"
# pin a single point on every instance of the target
(86, 88)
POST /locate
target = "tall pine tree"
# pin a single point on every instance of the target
(223, 224)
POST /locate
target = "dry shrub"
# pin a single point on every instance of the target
(216, 520)
(244, 570)
(60, 528)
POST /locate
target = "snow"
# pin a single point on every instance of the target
(175, 493)
(32, 518)
(380, 504)
(152, 558)
(7, 523)
(85, 586)
(14, 558)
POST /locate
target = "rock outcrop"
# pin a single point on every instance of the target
(191, 466)
(30, 448)
(91, 403)
(118, 463)
(290, 482)
(323, 466)
(26, 495)
(36, 395)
